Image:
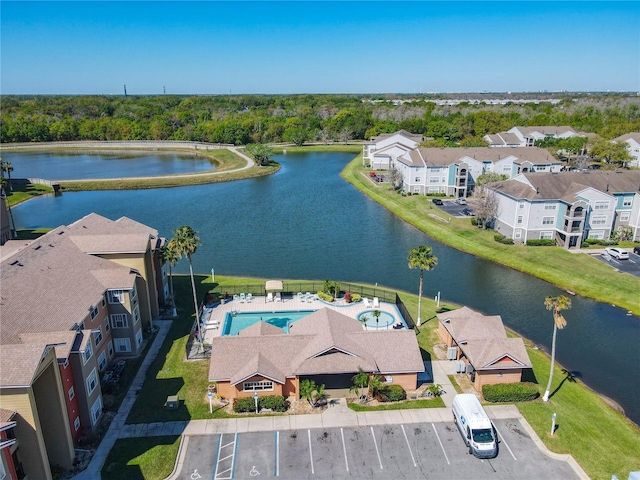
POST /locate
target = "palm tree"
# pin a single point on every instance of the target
(424, 259)
(169, 254)
(187, 242)
(376, 313)
(360, 380)
(3, 194)
(375, 384)
(556, 304)
(320, 394)
(307, 387)
(7, 168)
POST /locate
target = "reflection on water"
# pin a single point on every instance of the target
(305, 222)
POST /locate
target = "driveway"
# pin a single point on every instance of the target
(412, 450)
(450, 207)
(631, 266)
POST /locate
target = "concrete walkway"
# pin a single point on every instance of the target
(92, 472)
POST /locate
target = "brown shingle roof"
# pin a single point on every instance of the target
(484, 354)
(6, 416)
(434, 157)
(546, 130)
(19, 363)
(260, 328)
(628, 136)
(324, 342)
(564, 185)
(61, 341)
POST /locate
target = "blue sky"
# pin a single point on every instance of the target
(318, 47)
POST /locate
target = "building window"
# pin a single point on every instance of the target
(434, 180)
(546, 235)
(596, 234)
(416, 189)
(102, 361)
(417, 179)
(518, 233)
(549, 206)
(92, 382)
(136, 315)
(97, 336)
(96, 410)
(122, 344)
(626, 202)
(116, 296)
(107, 327)
(110, 348)
(103, 302)
(624, 216)
(599, 220)
(601, 205)
(94, 312)
(547, 220)
(520, 218)
(133, 292)
(76, 424)
(88, 351)
(264, 385)
(71, 393)
(119, 320)
(139, 337)
(521, 205)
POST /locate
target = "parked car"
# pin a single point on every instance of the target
(617, 253)
(636, 249)
(437, 201)
(468, 212)
(461, 201)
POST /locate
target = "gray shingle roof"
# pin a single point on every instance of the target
(434, 157)
(19, 363)
(61, 341)
(628, 136)
(324, 342)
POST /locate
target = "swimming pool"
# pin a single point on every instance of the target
(384, 321)
(234, 323)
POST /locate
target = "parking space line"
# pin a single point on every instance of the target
(344, 449)
(310, 452)
(505, 442)
(277, 453)
(235, 449)
(217, 474)
(409, 446)
(375, 443)
(440, 442)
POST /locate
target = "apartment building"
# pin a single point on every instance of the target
(527, 136)
(381, 152)
(632, 141)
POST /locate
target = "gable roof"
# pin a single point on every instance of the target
(486, 354)
(503, 138)
(564, 185)
(416, 137)
(434, 157)
(628, 136)
(61, 341)
(324, 342)
(260, 328)
(546, 130)
(19, 364)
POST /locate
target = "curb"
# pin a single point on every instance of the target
(182, 453)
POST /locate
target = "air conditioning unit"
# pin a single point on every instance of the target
(452, 353)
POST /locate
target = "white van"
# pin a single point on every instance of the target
(474, 425)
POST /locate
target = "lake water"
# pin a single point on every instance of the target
(79, 166)
(305, 222)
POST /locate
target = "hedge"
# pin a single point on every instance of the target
(502, 239)
(391, 393)
(510, 392)
(276, 403)
(325, 296)
(541, 242)
(596, 241)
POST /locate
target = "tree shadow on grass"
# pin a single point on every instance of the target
(528, 375)
(571, 377)
(134, 458)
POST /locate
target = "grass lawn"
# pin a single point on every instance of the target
(603, 441)
(553, 264)
(430, 403)
(148, 458)
(25, 191)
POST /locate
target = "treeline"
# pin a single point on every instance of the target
(247, 119)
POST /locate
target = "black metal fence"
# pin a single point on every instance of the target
(405, 313)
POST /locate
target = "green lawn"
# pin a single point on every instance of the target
(556, 265)
(603, 441)
(25, 191)
(430, 403)
(148, 458)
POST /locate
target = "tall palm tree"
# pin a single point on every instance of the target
(187, 242)
(3, 194)
(556, 304)
(7, 168)
(424, 259)
(169, 254)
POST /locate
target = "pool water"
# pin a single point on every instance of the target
(239, 321)
(386, 320)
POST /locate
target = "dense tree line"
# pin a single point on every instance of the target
(245, 119)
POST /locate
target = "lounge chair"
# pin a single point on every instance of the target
(300, 297)
(236, 297)
(249, 297)
(278, 297)
(269, 297)
(376, 302)
(242, 297)
(367, 302)
(308, 297)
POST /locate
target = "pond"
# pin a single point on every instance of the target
(80, 166)
(305, 222)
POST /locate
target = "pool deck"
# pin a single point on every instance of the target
(259, 304)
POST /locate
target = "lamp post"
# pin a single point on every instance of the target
(255, 400)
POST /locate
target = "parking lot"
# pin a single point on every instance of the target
(416, 450)
(631, 266)
(452, 208)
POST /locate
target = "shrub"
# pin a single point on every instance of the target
(596, 241)
(502, 239)
(347, 297)
(510, 392)
(325, 296)
(276, 403)
(356, 297)
(391, 393)
(244, 405)
(474, 221)
(541, 242)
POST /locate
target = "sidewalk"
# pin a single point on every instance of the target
(92, 472)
